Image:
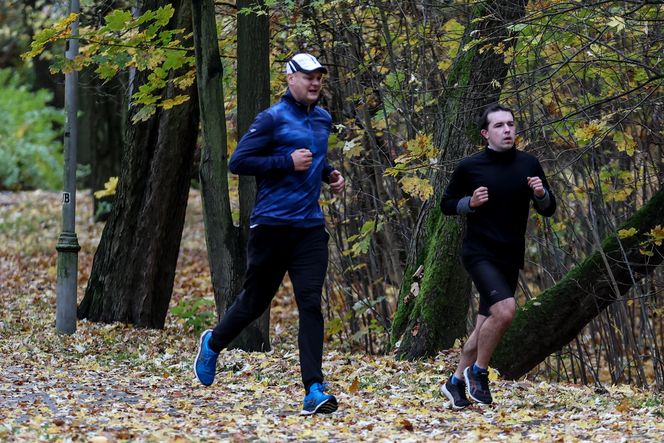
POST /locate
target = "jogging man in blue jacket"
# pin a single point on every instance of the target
(286, 150)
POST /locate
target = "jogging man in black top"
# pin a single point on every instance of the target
(493, 189)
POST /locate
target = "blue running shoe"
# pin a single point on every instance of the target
(205, 364)
(318, 402)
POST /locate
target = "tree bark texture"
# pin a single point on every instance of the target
(134, 266)
(101, 129)
(222, 237)
(547, 323)
(226, 243)
(433, 306)
(253, 96)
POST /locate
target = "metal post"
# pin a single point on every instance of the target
(68, 247)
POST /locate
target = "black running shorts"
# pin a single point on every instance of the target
(494, 281)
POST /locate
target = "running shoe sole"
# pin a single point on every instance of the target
(326, 407)
(450, 397)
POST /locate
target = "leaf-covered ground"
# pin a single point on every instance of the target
(117, 383)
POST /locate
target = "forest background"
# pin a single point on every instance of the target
(585, 80)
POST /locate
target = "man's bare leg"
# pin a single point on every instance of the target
(469, 350)
(492, 330)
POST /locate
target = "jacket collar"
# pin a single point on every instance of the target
(306, 108)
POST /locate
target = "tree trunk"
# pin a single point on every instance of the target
(253, 96)
(226, 243)
(102, 124)
(432, 309)
(222, 238)
(134, 266)
(547, 323)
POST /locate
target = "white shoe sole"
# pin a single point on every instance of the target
(326, 407)
(450, 397)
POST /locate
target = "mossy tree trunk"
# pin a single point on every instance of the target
(134, 266)
(433, 306)
(547, 323)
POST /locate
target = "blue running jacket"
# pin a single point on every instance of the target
(284, 196)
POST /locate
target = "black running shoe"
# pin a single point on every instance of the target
(456, 394)
(478, 386)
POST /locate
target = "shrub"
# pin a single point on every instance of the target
(30, 137)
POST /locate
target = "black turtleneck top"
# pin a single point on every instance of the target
(496, 230)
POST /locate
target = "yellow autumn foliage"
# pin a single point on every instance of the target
(109, 188)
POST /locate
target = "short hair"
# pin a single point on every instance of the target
(495, 107)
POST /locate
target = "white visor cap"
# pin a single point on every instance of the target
(306, 63)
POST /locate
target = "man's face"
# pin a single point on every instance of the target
(500, 131)
(305, 87)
